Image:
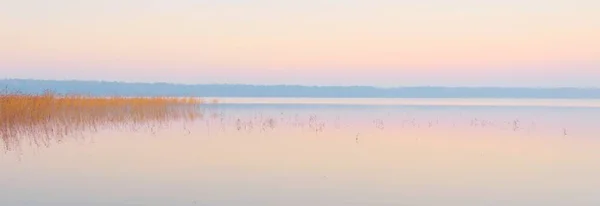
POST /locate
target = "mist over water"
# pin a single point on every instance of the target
(282, 153)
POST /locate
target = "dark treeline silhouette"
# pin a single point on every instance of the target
(104, 88)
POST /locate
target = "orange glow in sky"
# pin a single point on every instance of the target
(381, 43)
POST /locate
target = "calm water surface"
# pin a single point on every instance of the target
(326, 152)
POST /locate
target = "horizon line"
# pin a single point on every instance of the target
(294, 85)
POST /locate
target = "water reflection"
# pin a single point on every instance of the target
(321, 155)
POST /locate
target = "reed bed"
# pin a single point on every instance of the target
(48, 116)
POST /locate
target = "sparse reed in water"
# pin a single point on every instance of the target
(47, 116)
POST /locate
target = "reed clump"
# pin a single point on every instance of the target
(47, 116)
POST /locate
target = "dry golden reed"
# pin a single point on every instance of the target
(44, 117)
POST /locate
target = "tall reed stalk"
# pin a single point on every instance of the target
(47, 116)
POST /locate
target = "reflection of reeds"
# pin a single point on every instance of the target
(49, 116)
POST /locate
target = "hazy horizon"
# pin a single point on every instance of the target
(106, 88)
(299, 85)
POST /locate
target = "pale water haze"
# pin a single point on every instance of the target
(341, 42)
(257, 152)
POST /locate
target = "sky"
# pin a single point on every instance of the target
(385, 43)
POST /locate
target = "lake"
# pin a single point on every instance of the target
(269, 151)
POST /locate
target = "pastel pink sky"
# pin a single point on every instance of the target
(381, 43)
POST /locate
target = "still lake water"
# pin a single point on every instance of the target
(327, 152)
